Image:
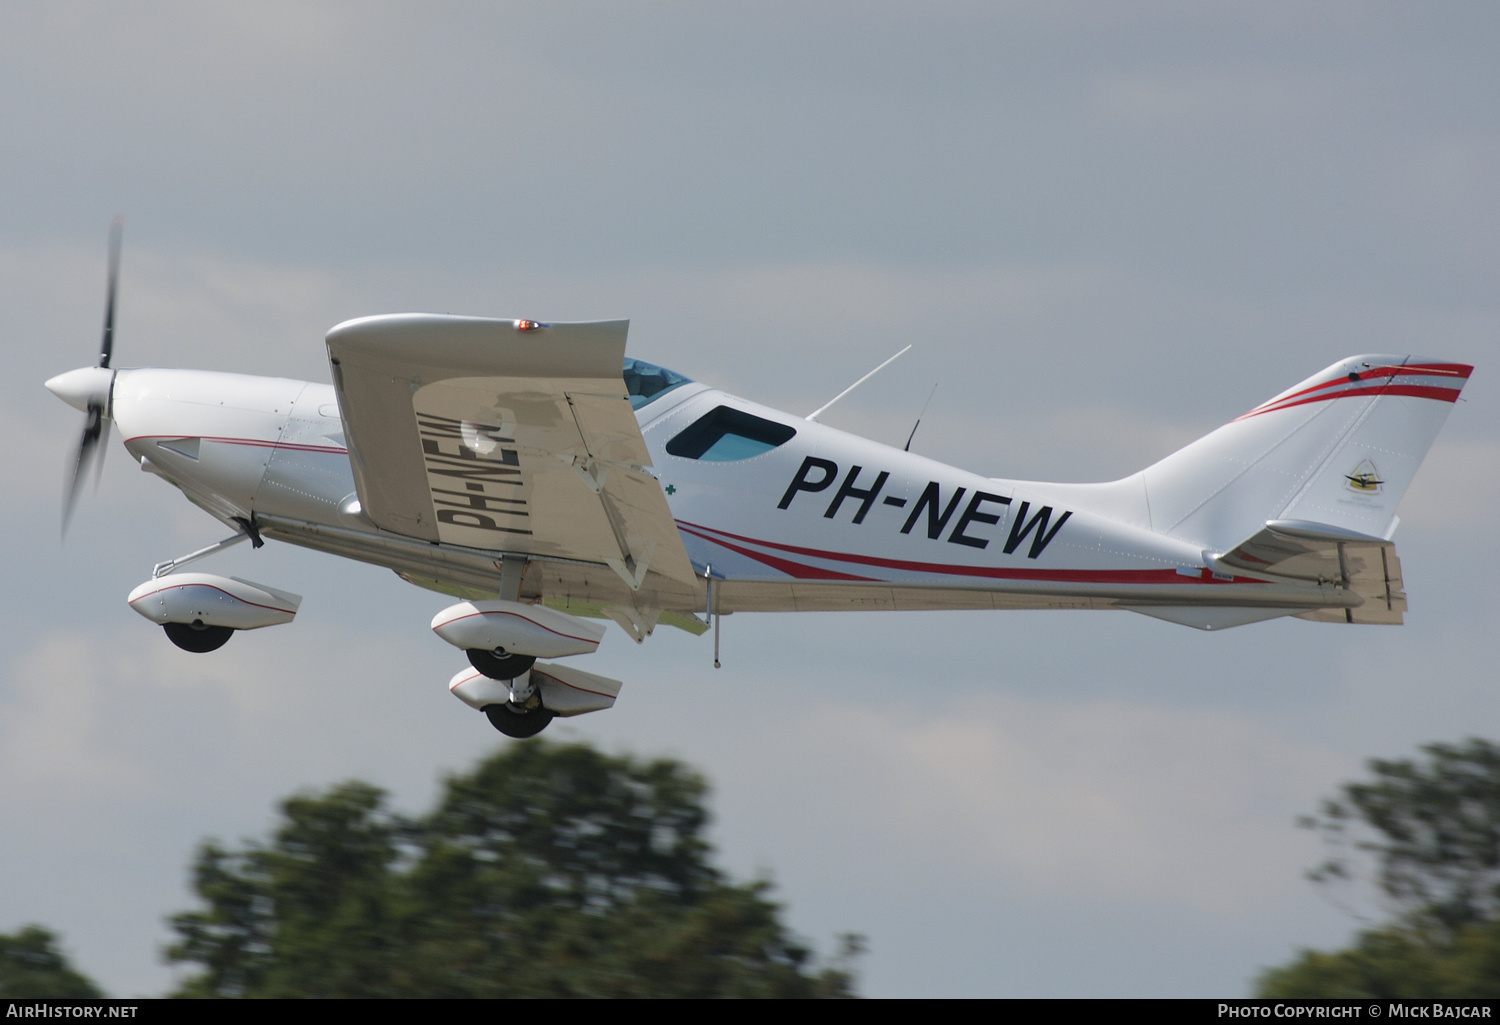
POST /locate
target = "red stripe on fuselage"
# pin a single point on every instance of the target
(1077, 576)
(791, 569)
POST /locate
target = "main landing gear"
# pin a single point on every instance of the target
(519, 724)
(198, 636)
(503, 638)
(499, 664)
(523, 715)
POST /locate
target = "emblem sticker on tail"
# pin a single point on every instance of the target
(1364, 479)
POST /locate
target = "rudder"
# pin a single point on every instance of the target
(1338, 449)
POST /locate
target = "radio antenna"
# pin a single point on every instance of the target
(813, 416)
(914, 426)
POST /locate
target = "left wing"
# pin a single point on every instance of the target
(505, 436)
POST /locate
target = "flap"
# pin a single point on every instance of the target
(502, 435)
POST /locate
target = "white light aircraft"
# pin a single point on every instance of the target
(512, 465)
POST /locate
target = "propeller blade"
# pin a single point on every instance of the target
(95, 437)
(107, 345)
(89, 452)
(101, 446)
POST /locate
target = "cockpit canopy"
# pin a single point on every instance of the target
(726, 435)
(647, 382)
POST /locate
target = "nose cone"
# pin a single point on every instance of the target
(84, 387)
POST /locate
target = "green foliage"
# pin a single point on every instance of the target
(1396, 962)
(547, 871)
(31, 968)
(1432, 828)
(1436, 832)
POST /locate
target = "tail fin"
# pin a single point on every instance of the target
(1337, 450)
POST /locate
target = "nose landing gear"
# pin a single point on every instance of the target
(200, 611)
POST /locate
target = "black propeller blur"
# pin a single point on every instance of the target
(95, 437)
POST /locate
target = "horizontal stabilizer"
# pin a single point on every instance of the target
(1364, 566)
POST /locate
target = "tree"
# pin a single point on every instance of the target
(1432, 828)
(547, 871)
(31, 967)
(1436, 828)
(1398, 961)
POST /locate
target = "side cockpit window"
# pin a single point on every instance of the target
(646, 381)
(726, 434)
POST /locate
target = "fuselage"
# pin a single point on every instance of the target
(783, 513)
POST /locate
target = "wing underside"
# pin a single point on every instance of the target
(504, 437)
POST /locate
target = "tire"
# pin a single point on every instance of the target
(197, 637)
(518, 724)
(499, 667)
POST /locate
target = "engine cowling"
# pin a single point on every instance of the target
(517, 629)
(213, 601)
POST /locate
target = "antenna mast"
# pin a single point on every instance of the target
(813, 416)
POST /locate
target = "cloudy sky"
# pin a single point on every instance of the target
(1105, 228)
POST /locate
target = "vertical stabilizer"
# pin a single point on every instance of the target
(1339, 449)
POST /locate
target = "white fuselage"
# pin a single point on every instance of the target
(826, 520)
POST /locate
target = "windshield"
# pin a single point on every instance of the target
(647, 381)
(726, 435)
